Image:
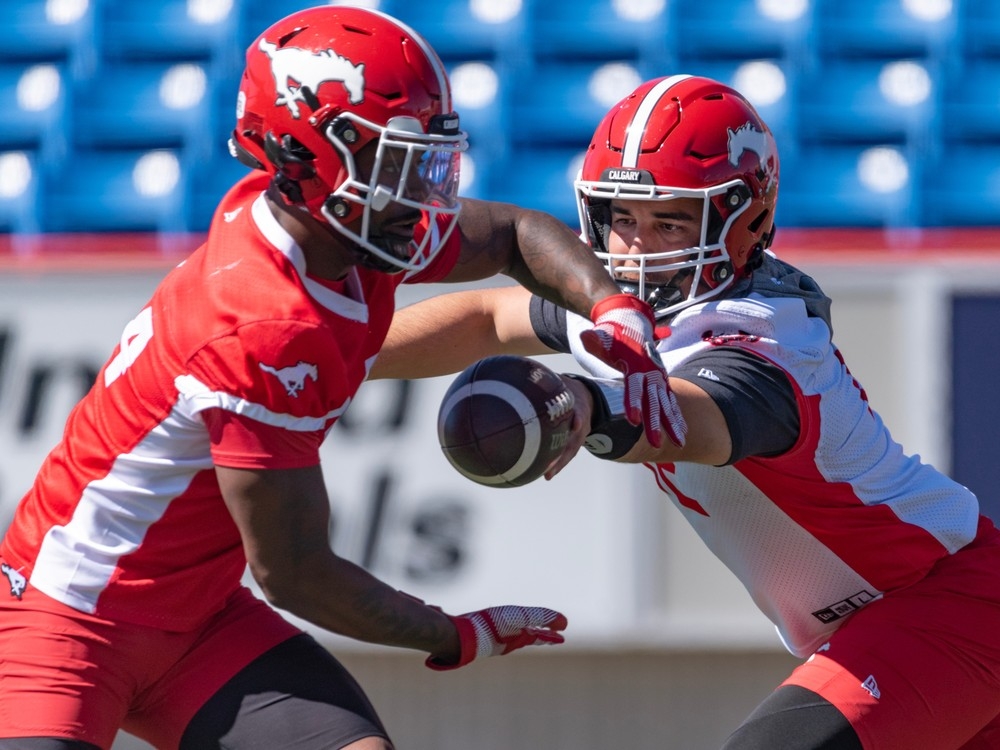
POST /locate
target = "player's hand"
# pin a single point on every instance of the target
(500, 630)
(622, 337)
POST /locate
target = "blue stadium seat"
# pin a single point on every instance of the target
(222, 100)
(145, 104)
(970, 102)
(209, 180)
(848, 186)
(480, 94)
(962, 187)
(43, 30)
(869, 101)
(18, 191)
(257, 15)
(115, 191)
(603, 29)
(540, 179)
(563, 103)
(169, 30)
(883, 28)
(740, 28)
(979, 23)
(33, 100)
(478, 168)
(463, 29)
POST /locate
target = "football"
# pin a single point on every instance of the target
(504, 419)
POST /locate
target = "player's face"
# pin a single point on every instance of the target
(643, 227)
(392, 219)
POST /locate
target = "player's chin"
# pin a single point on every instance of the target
(398, 245)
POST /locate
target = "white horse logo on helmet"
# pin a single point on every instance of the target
(310, 70)
(746, 138)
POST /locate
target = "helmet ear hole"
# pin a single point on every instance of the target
(736, 196)
(337, 207)
(722, 271)
(345, 131)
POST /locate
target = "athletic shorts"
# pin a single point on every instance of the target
(67, 674)
(920, 668)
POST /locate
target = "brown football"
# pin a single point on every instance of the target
(504, 419)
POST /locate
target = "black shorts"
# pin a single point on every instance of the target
(295, 695)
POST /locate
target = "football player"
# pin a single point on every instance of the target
(197, 450)
(875, 568)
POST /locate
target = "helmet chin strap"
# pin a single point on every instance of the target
(671, 292)
(663, 296)
(396, 247)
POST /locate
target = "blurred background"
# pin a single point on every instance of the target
(886, 112)
(114, 116)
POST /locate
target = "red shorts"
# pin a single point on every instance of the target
(920, 668)
(67, 674)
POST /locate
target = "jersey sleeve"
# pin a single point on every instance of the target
(288, 370)
(268, 393)
(755, 396)
(242, 443)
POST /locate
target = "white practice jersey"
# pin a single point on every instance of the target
(839, 520)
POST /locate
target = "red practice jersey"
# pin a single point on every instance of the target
(125, 519)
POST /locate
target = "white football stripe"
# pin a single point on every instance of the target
(529, 418)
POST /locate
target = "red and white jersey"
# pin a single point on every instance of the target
(842, 518)
(125, 519)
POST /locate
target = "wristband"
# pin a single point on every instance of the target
(611, 435)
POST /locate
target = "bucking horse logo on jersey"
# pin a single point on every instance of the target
(294, 377)
(18, 583)
(295, 69)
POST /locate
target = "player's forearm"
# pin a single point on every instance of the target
(343, 598)
(445, 334)
(537, 250)
(556, 265)
(435, 337)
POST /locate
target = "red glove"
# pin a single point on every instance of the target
(500, 630)
(622, 337)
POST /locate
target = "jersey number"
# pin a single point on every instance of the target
(136, 335)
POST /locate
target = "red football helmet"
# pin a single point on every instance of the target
(683, 137)
(321, 85)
